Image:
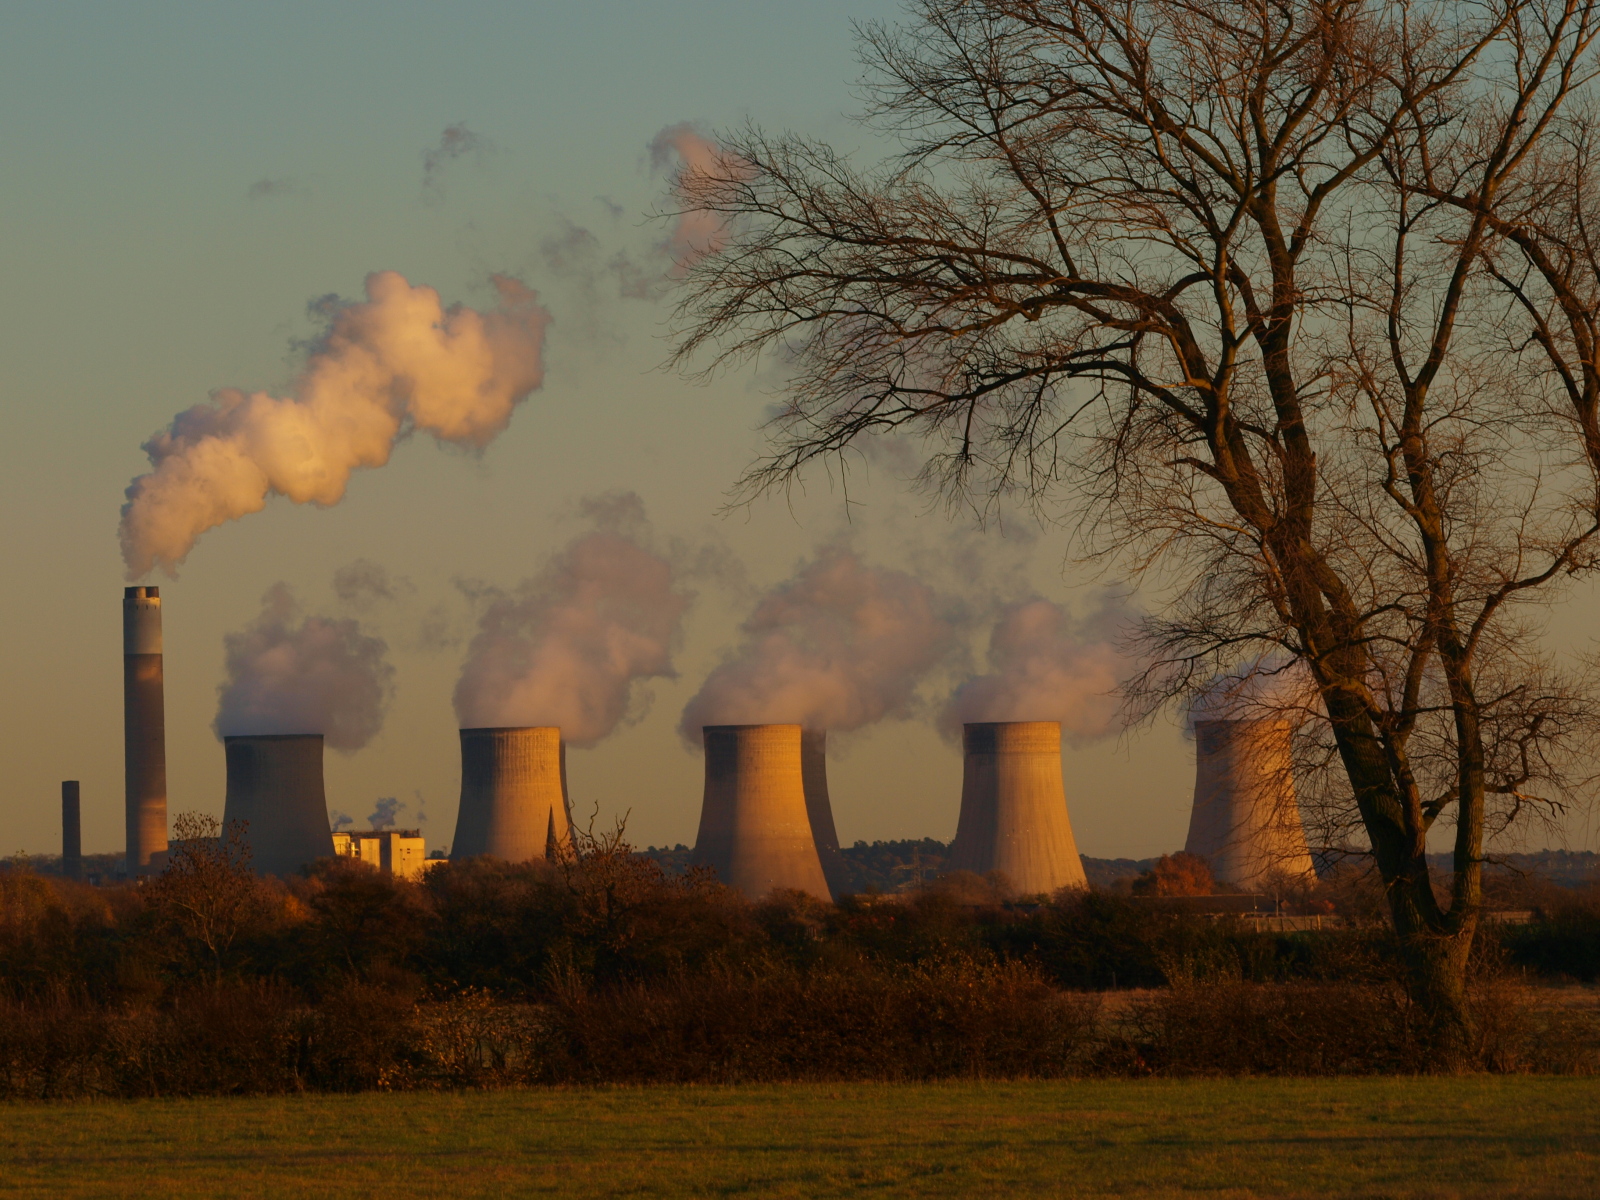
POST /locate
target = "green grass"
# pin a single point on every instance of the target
(1507, 1136)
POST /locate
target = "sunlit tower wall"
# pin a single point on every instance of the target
(1014, 807)
(275, 785)
(755, 831)
(513, 794)
(144, 727)
(1246, 819)
(819, 808)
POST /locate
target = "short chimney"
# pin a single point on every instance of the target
(71, 831)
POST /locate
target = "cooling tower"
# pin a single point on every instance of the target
(755, 830)
(1246, 821)
(819, 809)
(1014, 807)
(513, 794)
(71, 830)
(144, 727)
(275, 784)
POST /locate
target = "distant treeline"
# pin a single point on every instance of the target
(607, 966)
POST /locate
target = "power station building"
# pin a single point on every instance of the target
(755, 827)
(513, 794)
(275, 787)
(1014, 807)
(1246, 819)
(399, 852)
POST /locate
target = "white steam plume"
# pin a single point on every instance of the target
(1272, 687)
(288, 674)
(840, 646)
(397, 362)
(1046, 667)
(567, 647)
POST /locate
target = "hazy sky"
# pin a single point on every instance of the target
(180, 181)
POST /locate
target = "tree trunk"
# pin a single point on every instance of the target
(1434, 953)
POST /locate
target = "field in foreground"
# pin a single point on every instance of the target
(1479, 1136)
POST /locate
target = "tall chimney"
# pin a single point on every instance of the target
(1014, 807)
(755, 830)
(71, 831)
(513, 794)
(814, 776)
(275, 787)
(1246, 820)
(144, 727)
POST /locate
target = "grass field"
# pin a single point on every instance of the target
(1503, 1136)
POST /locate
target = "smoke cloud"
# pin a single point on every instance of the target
(840, 646)
(695, 232)
(1046, 667)
(385, 813)
(294, 674)
(1274, 686)
(455, 141)
(397, 362)
(567, 647)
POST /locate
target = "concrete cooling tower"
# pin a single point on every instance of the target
(819, 809)
(144, 727)
(1014, 807)
(513, 794)
(275, 784)
(754, 827)
(1246, 821)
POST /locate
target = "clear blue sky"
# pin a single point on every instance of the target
(178, 181)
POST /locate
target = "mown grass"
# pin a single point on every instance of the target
(1477, 1136)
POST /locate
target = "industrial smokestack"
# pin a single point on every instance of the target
(755, 830)
(144, 727)
(275, 786)
(819, 809)
(71, 830)
(1246, 820)
(1014, 807)
(513, 794)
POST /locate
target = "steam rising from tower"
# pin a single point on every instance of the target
(566, 649)
(144, 727)
(1045, 665)
(293, 674)
(387, 366)
(840, 646)
(1014, 807)
(754, 829)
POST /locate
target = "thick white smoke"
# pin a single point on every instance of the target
(1273, 687)
(567, 647)
(1046, 667)
(397, 362)
(838, 647)
(294, 674)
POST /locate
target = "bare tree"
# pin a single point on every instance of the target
(1291, 304)
(207, 889)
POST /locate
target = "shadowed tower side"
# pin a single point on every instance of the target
(1246, 819)
(71, 830)
(513, 794)
(144, 728)
(1014, 807)
(275, 787)
(819, 808)
(755, 830)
